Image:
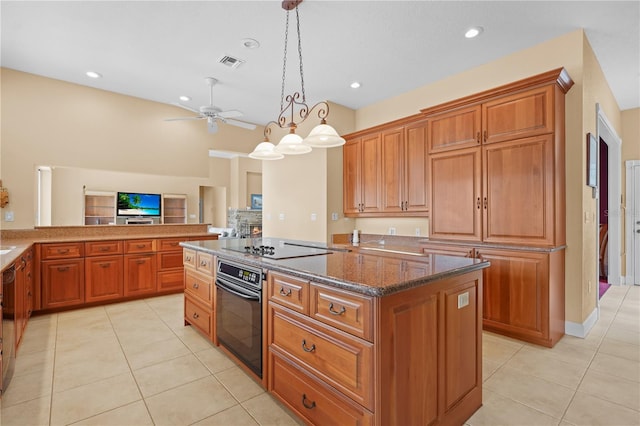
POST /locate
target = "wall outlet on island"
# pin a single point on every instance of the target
(417, 232)
(392, 231)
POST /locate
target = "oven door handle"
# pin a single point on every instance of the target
(238, 291)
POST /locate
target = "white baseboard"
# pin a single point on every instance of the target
(581, 329)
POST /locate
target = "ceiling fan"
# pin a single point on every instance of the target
(213, 114)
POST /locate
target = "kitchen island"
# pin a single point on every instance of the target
(348, 337)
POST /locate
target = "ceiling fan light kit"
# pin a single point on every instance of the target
(322, 136)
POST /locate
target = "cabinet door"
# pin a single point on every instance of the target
(62, 283)
(521, 115)
(104, 279)
(518, 191)
(455, 195)
(351, 177)
(392, 160)
(371, 178)
(139, 274)
(516, 292)
(416, 171)
(454, 130)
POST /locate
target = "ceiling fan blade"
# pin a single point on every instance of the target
(183, 118)
(229, 114)
(212, 125)
(238, 123)
(185, 107)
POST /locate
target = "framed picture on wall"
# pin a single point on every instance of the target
(256, 201)
(592, 161)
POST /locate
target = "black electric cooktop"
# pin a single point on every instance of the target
(275, 249)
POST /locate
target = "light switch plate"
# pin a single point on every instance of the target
(463, 300)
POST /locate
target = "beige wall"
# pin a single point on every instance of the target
(54, 123)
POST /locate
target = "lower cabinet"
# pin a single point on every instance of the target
(139, 274)
(62, 283)
(413, 357)
(199, 295)
(523, 291)
(103, 280)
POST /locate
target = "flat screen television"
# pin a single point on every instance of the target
(138, 204)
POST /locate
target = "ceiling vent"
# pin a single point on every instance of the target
(230, 61)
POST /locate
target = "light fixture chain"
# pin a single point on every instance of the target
(284, 61)
(304, 97)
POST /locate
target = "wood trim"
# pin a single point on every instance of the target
(385, 126)
(558, 76)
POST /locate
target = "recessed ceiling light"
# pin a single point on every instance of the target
(185, 98)
(93, 74)
(355, 85)
(473, 32)
(250, 43)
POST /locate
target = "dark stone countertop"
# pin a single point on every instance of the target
(370, 274)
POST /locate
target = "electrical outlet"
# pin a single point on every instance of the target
(314, 216)
(8, 216)
(281, 216)
(589, 286)
(417, 232)
(392, 231)
(334, 216)
(192, 216)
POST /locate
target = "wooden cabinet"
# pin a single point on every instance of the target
(362, 175)
(199, 292)
(139, 267)
(62, 275)
(99, 208)
(404, 169)
(169, 259)
(523, 290)
(174, 208)
(455, 129)
(385, 172)
(422, 345)
(103, 271)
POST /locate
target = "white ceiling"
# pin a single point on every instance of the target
(159, 50)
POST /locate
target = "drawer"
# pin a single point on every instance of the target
(313, 400)
(198, 316)
(346, 311)
(204, 262)
(62, 250)
(289, 291)
(189, 257)
(170, 244)
(169, 260)
(101, 248)
(343, 361)
(139, 246)
(199, 286)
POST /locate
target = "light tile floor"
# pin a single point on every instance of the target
(136, 364)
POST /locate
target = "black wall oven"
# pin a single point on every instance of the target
(239, 312)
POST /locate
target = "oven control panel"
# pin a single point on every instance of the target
(245, 274)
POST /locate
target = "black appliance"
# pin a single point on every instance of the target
(277, 249)
(7, 332)
(239, 312)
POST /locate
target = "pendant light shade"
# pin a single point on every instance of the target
(291, 144)
(265, 151)
(323, 136)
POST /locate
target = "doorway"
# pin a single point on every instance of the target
(632, 235)
(213, 206)
(606, 133)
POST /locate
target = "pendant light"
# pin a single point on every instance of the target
(322, 136)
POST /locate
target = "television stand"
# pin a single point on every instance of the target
(139, 221)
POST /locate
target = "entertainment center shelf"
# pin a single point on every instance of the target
(101, 208)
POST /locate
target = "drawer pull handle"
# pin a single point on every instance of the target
(188, 258)
(203, 263)
(105, 265)
(140, 262)
(173, 244)
(63, 251)
(63, 268)
(196, 286)
(304, 402)
(285, 293)
(307, 349)
(340, 312)
(104, 248)
(195, 315)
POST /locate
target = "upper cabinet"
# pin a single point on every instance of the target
(99, 208)
(497, 167)
(174, 208)
(385, 172)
